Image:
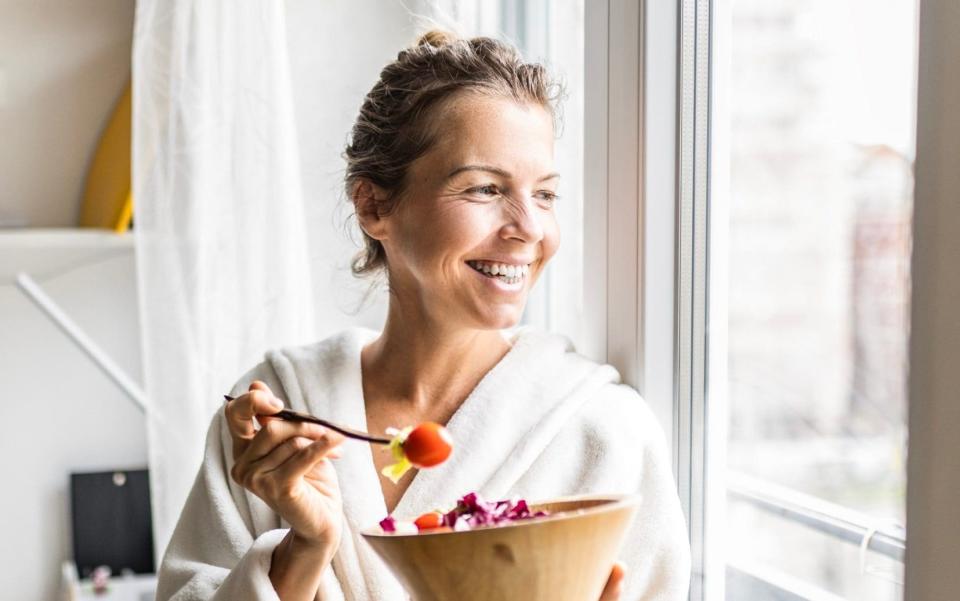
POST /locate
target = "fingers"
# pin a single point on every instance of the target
(276, 443)
(274, 434)
(259, 400)
(304, 461)
(287, 449)
(281, 453)
(614, 586)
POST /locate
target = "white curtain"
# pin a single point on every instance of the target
(221, 249)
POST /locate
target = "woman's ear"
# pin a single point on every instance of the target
(368, 203)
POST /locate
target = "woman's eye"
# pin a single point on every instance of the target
(547, 196)
(489, 190)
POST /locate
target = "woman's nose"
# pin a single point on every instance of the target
(523, 222)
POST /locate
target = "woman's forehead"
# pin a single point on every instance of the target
(497, 132)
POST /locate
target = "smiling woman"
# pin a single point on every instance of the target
(450, 170)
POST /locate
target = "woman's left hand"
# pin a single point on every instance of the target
(614, 587)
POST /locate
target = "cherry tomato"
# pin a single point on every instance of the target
(429, 521)
(429, 444)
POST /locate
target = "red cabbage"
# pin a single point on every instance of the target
(388, 524)
(472, 511)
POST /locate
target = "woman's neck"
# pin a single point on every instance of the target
(427, 370)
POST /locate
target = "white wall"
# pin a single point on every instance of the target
(933, 482)
(63, 64)
(59, 413)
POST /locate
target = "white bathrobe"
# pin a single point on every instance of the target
(544, 422)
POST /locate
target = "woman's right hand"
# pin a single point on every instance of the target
(287, 465)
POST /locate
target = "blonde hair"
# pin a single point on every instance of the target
(394, 126)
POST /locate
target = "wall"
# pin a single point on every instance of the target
(59, 413)
(62, 66)
(933, 483)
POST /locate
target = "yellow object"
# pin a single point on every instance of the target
(400, 464)
(126, 214)
(107, 198)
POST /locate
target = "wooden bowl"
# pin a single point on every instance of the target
(566, 556)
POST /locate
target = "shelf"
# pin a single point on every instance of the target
(46, 252)
(122, 588)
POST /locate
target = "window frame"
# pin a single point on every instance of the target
(933, 545)
(632, 228)
(629, 215)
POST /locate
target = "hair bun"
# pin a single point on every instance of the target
(436, 38)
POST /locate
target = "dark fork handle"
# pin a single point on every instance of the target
(295, 416)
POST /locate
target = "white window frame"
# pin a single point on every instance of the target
(639, 226)
(646, 267)
(630, 186)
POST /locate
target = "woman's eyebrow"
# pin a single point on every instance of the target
(494, 170)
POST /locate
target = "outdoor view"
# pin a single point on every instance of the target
(811, 204)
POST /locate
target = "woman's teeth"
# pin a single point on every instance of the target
(510, 274)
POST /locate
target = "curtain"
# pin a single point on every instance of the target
(221, 248)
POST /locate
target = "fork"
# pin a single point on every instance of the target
(296, 416)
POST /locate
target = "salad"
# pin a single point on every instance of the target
(470, 512)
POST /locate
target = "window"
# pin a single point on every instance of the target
(807, 204)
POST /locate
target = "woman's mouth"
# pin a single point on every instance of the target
(508, 274)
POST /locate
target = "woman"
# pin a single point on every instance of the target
(450, 169)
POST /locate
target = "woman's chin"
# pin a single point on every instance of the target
(503, 319)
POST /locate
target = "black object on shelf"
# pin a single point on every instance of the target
(112, 521)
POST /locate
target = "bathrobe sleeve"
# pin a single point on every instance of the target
(223, 543)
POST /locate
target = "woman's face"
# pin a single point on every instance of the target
(480, 202)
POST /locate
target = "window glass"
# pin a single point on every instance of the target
(811, 195)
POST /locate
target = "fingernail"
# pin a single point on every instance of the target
(276, 403)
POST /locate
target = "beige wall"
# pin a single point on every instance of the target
(933, 496)
(63, 63)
